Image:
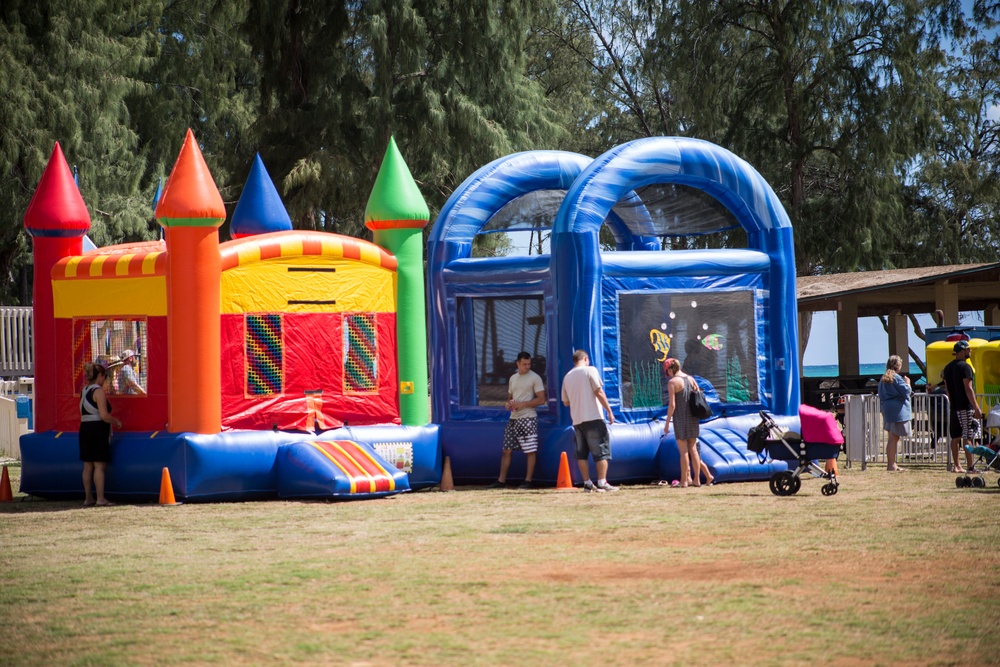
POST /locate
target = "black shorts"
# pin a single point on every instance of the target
(592, 438)
(95, 442)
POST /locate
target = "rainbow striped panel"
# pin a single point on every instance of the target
(364, 472)
(264, 347)
(81, 352)
(360, 354)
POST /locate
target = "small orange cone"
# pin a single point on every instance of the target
(6, 495)
(564, 480)
(447, 484)
(166, 489)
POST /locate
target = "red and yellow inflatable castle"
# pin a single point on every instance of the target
(239, 348)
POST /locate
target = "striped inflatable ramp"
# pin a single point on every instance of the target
(336, 469)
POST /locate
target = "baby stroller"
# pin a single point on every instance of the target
(989, 455)
(820, 439)
(991, 460)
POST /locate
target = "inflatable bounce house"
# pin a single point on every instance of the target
(294, 364)
(245, 350)
(728, 315)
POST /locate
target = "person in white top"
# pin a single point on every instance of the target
(128, 381)
(525, 392)
(583, 392)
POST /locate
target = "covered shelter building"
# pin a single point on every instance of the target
(942, 291)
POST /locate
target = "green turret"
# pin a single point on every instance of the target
(396, 214)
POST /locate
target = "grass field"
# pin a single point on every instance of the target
(897, 569)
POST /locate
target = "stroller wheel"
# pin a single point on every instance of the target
(978, 482)
(959, 481)
(773, 484)
(784, 483)
(829, 489)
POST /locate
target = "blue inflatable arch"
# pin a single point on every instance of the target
(470, 208)
(578, 265)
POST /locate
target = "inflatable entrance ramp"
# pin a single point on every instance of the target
(723, 446)
(341, 469)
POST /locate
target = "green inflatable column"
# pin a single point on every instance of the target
(397, 214)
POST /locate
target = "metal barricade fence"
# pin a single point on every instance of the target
(16, 356)
(929, 439)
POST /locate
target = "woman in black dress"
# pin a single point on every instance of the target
(95, 433)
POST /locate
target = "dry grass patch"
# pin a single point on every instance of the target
(894, 570)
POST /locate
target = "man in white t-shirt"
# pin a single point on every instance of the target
(583, 392)
(525, 392)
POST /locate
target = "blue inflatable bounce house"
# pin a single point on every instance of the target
(729, 315)
(289, 364)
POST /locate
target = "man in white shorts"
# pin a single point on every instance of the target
(525, 392)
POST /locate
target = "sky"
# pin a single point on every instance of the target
(873, 341)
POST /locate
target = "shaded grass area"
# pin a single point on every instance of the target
(894, 570)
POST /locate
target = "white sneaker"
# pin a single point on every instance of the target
(604, 486)
(590, 487)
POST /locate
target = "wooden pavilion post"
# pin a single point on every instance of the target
(899, 338)
(991, 315)
(847, 336)
(946, 300)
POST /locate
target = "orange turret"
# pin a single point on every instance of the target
(191, 210)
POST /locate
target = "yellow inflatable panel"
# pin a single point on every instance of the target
(96, 297)
(308, 284)
(941, 353)
(986, 361)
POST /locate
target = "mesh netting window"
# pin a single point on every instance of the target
(533, 210)
(713, 335)
(360, 354)
(264, 355)
(491, 333)
(107, 340)
(672, 209)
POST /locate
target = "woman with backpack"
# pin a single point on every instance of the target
(95, 433)
(680, 385)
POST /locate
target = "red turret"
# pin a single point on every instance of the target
(56, 219)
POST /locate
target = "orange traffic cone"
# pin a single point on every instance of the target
(6, 495)
(564, 481)
(447, 484)
(166, 489)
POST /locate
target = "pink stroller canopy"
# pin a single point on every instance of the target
(819, 426)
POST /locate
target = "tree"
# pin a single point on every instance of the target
(955, 192)
(65, 74)
(338, 79)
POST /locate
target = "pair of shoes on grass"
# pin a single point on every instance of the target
(601, 487)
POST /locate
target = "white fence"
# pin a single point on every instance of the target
(16, 357)
(928, 442)
(12, 427)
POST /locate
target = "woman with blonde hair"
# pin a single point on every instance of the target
(894, 393)
(95, 433)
